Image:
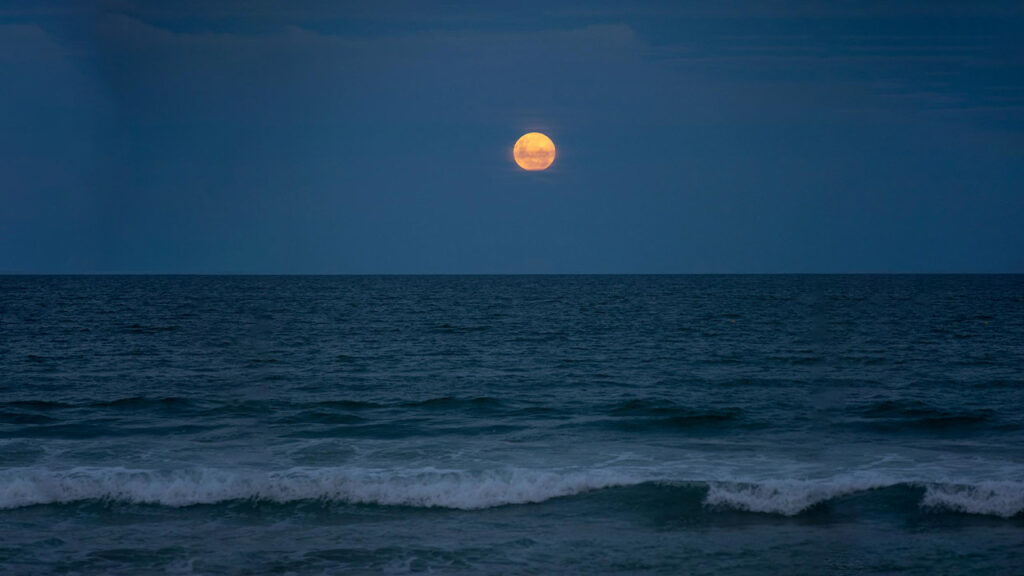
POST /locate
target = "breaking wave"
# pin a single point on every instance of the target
(1005, 499)
(427, 487)
(786, 497)
(469, 490)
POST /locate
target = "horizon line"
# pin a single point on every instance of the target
(495, 274)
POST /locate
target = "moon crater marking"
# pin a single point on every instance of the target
(534, 151)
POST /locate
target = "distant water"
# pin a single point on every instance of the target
(537, 425)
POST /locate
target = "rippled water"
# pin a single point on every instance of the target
(697, 424)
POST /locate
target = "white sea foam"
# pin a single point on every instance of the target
(787, 497)
(460, 489)
(1004, 499)
(426, 487)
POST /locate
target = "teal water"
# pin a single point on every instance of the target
(577, 424)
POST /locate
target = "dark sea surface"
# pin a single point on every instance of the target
(516, 425)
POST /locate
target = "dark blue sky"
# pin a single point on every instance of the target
(341, 137)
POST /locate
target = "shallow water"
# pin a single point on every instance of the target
(699, 424)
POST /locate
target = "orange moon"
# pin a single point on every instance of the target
(534, 151)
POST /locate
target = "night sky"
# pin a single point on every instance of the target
(376, 137)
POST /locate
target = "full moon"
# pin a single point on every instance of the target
(534, 151)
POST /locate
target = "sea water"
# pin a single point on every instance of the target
(516, 425)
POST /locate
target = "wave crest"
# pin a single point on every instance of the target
(786, 497)
(426, 487)
(1005, 499)
(468, 490)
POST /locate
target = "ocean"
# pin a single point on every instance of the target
(790, 424)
